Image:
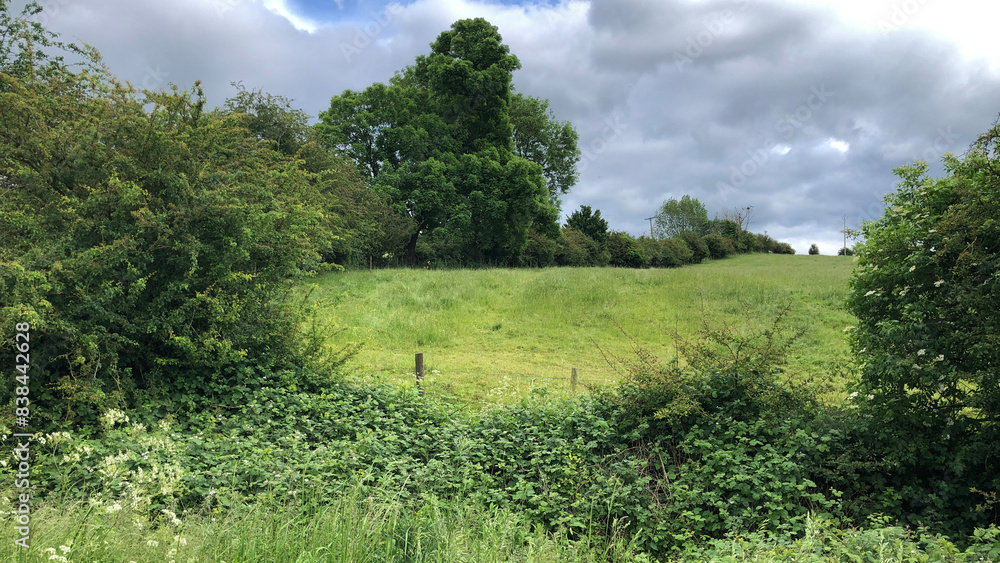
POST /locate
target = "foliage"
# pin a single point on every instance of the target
(925, 295)
(699, 248)
(680, 249)
(143, 245)
(590, 224)
(439, 143)
(813, 250)
(845, 251)
(577, 249)
(718, 246)
(783, 248)
(882, 541)
(624, 251)
(676, 216)
(270, 118)
(656, 253)
(540, 138)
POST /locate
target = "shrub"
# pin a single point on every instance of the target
(718, 246)
(680, 249)
(577, 249)
(813, 250)
(657, 254)
(783, 248)
(927, 297)
(699, 250)
(624, 251)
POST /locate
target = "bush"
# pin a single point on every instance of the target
(718, 246)
(927, 297)
(540, 251)
(657, 254)
(848, 251)
(813, 250)
(577, 249)
(680, 249)
(783, 248)
(624, 251)
(699, 250)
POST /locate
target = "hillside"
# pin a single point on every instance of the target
(491, 335)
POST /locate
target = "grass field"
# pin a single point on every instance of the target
(494, 335)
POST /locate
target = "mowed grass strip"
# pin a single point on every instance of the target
(496, 335)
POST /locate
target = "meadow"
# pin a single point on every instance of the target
(493, 335)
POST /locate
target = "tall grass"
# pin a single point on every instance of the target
(495, 335)
(354, 529)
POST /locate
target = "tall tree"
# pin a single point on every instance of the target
(676, 216)
(540, 138)
(439, 142)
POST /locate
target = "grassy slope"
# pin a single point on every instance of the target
(492, 335)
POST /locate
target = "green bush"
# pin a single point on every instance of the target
(624, 251)
(680, 249)
(699, 249)
(718, 246)
(657, 254)
(925, 292)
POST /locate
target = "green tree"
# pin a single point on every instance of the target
(813, 250)
(439, 143)
(589, 223)
(270, 118)
(540, 138)
(676, 216)
(926, 294)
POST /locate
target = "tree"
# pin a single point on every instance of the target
(438, 142)
(676, 216)
(539, 138)
(813, 250)
(270, 118)
(590, 224)
(845, 251)
(926, 294)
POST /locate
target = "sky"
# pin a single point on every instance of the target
(798, 110)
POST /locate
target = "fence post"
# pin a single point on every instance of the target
(572, 382)
(420, 374)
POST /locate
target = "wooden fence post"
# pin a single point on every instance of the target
(572, 382)
(420, 374)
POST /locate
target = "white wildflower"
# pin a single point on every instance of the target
(938, 283)
(913, 268)
(152, 543)
(870, 292)
(940, 358)
(921, 352)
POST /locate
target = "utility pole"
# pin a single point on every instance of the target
(650, 219)
(845, 235)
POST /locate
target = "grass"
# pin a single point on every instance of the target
(355, 529)
(495, 335)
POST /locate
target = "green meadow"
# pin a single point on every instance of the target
(493, 335)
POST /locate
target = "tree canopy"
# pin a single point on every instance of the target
(676, 216)
(439, 142)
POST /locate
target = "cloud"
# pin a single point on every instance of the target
(701, 95)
